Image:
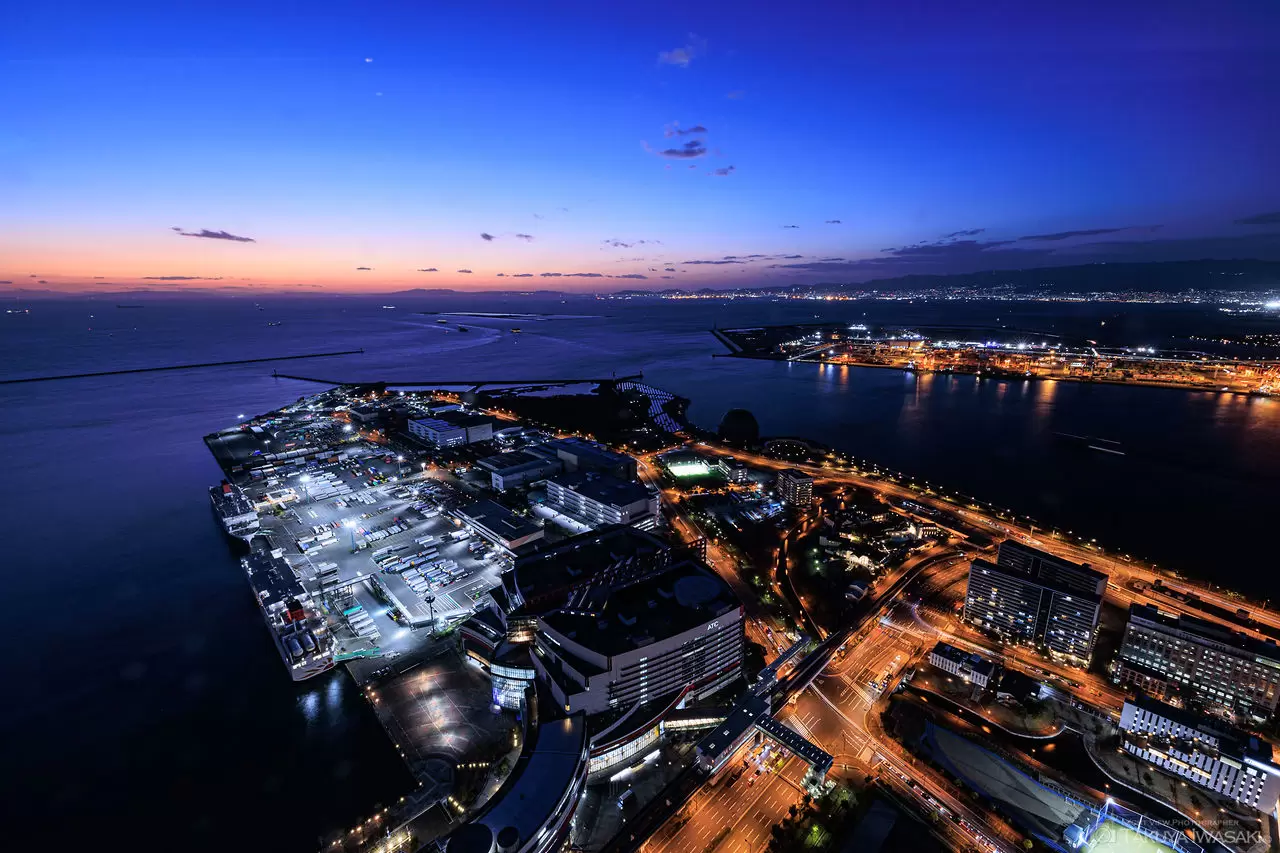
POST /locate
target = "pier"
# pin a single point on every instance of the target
(178, 367)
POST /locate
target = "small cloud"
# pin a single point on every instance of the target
(528, 238)
(669, 269)
(667, 276)
(692, 148)
(674, 129)
(713, 263)
(537, 216)
(790, 226)
(632, 275)
(523, 275)
(583, 275)
(33, 275)
(1260, 219)
(724, 172)
(468, 272)
(486, 237)
(622, 244)
(42, 281)
(364, 268)
(429, 269)
(550, 274)
(501, 274)
(736, 95)
(791, 257)
(99, 276)
(368, 59)
(215, 235)
(1066, 235)
(682, 56)
(972, 232)
(180, 278)
(834, 222)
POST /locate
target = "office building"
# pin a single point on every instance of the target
(578, 454)
(519, 468)
(795, 487)
(1193, 661)
(599, 500)
(1032, 598)
(451, 429)
(1203, 751)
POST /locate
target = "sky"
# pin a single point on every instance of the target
(383, 146)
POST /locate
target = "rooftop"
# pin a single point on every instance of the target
(546, 568)
(514, 460)
(544, 773)
(581, 447)
(1208, 630)
(682, 597)
(1230, 739)
(498, 520)
(603, 488)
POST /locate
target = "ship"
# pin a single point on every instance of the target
(515, 331)
(463, 329)
(236, 513)
(300, 633)
(442, 321)
(1103, 445)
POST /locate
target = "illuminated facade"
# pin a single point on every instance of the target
(1202, 751)
(1031, 598)
(1195, 660)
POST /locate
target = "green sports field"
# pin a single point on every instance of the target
(1112, 837)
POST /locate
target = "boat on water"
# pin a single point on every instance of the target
(463, 329)
(515, 331)
(299, 631)
(442, 322)
(235, 511)
(1088, 442)
(274, 323)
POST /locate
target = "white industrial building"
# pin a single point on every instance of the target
(1203, 751)
(600, 500)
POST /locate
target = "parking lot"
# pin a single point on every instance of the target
(363, 522)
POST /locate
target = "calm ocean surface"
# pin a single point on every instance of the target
(147, 702)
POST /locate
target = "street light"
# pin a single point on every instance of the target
(400, 463)
(351, 525)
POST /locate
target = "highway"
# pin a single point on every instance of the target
(1122, 571)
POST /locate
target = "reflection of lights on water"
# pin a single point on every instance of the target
(309, 702)
(333, 693)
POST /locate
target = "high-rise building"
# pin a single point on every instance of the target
(796, 487)
(1191, 660)
(1033, 598)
